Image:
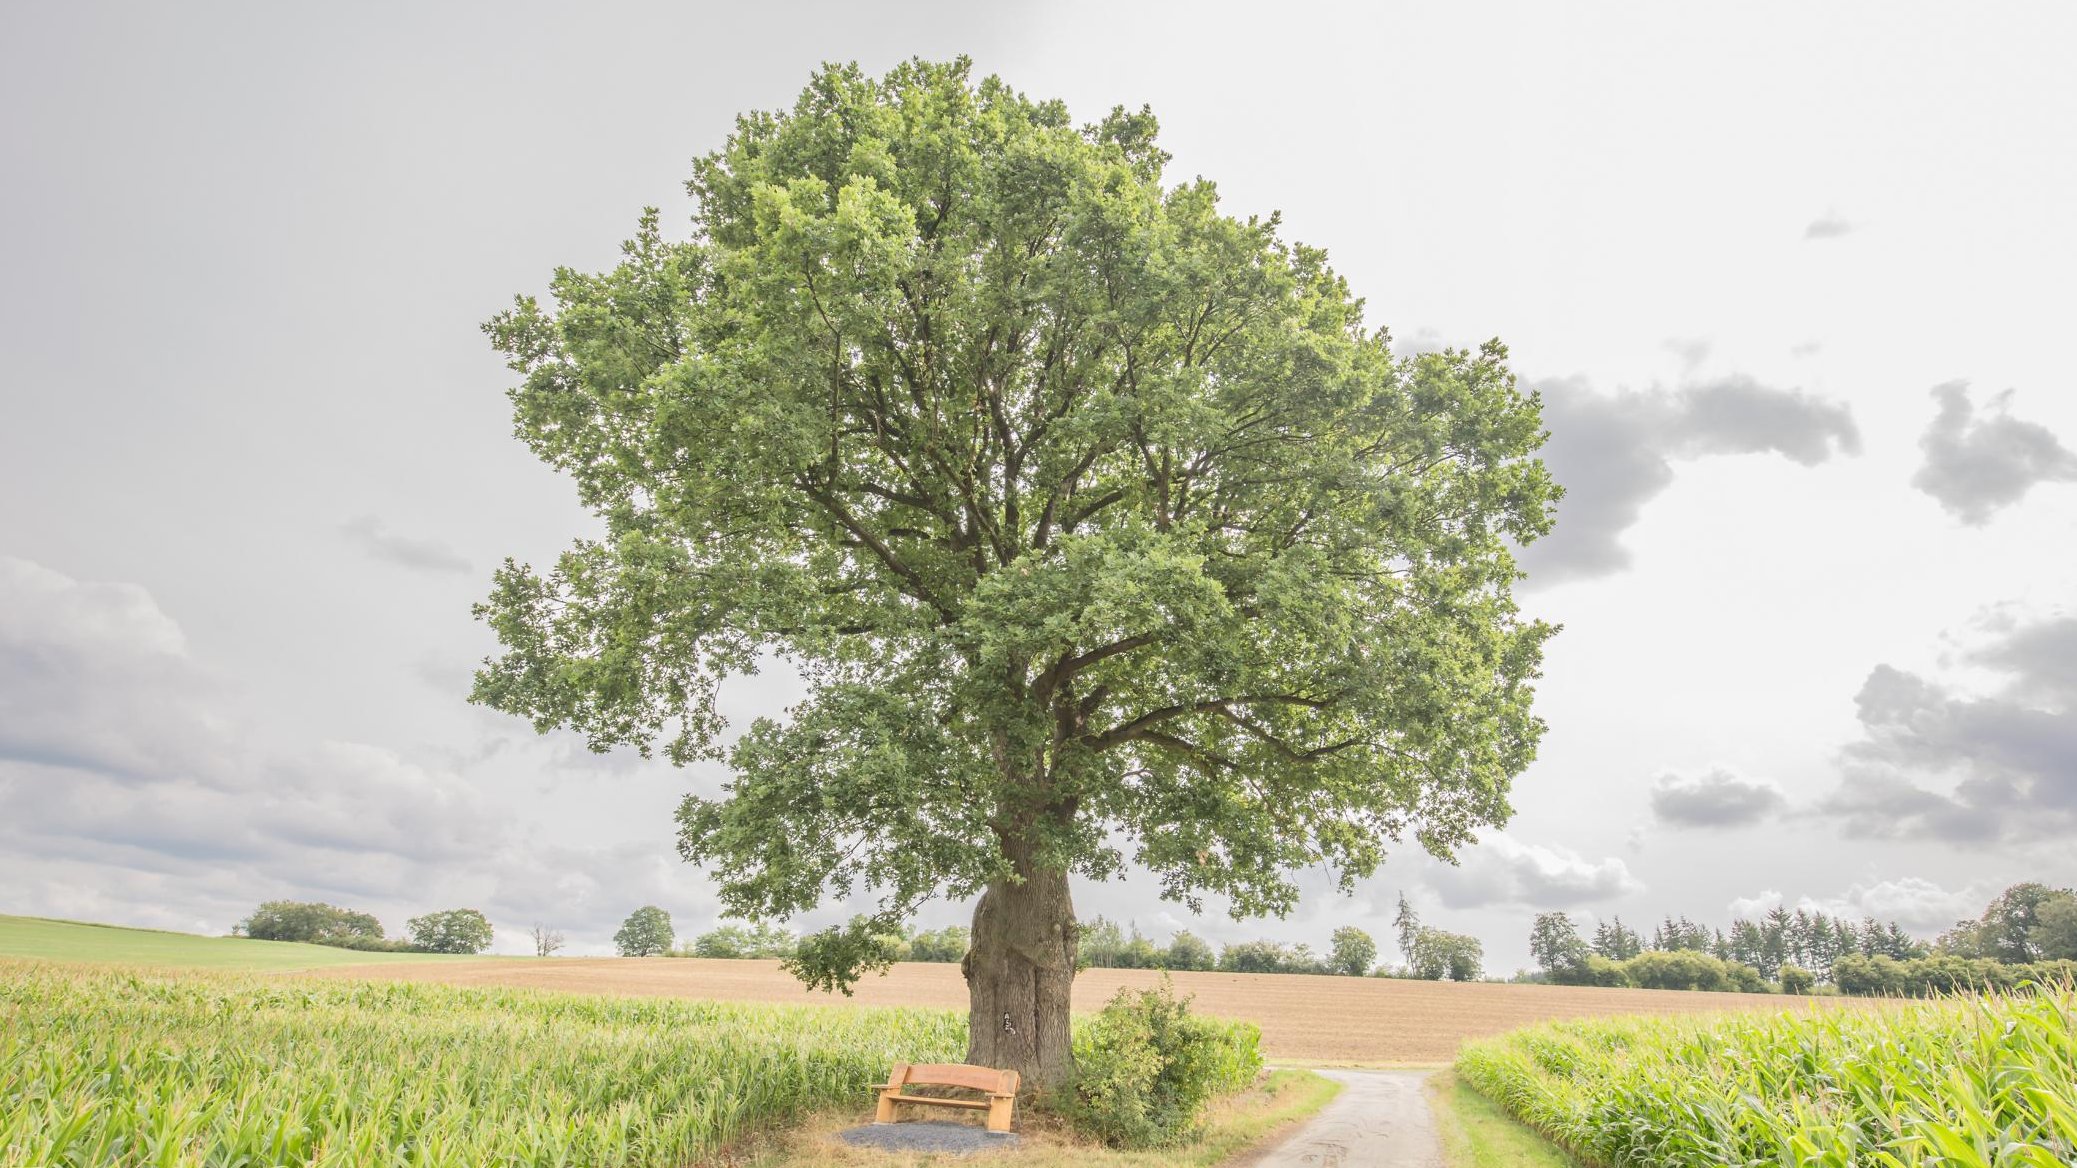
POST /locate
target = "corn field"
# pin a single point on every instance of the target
(1962, 1083)
(101, 1067)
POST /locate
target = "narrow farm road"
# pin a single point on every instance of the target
(1380, 1120)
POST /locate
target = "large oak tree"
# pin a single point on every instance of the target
(1099, 525)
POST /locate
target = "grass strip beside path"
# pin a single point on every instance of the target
(1477, 1133)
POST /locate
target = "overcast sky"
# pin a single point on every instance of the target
(1793, 279)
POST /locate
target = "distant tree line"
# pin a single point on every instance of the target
(1101, 944)
(460, 930)
(2029, 932)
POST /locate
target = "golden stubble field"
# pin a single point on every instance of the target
(1304, 1019)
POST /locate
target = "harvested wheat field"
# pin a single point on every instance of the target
(1347, 1020)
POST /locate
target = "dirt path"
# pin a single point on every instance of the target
(1380, 1120)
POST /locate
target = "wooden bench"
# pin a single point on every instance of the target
(999, 1086)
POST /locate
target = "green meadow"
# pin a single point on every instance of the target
(42, 939)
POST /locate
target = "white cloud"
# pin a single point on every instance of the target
(132, 789)
(1918, 905)
(1503, 870)
(1752, 907)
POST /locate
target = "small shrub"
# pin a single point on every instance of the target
(1145, 1068)
(1797, 980)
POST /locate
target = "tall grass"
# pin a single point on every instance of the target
(1960, 1084)
(101, 1067)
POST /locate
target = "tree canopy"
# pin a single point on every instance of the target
(1099, 525)
(457, 930)
(323, 924)
(646, 932)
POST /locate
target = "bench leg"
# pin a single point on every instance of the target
(885, 1112)
(999, 1113)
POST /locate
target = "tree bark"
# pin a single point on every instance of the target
(1020, 974)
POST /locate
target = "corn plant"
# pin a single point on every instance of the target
(103, 1067)
(1984, 1082)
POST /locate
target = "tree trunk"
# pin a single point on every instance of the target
(1020, 973)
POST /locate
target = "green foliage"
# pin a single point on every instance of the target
(1556, 947)
(2055, 936)
(1438, 954)
(1433, 954)
(2025, 923)
(1102, 944)
(1097, 522)
(1683, 970)
(1797, 980)
(832, 959)
(1353, 952)
(114, 1068)
(1943, 973)
(1254, 957)
(1656, 969)
(1616, 941)
(646, 933)
(317, 924)
(1146, 1068)
(947, 944)
(1188, 951)
(457, 930)
(739, 941)
(1600, 971)
(1983, 1083)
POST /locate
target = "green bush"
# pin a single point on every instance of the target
(317, 924)
(1145, 1068)
(1797, 980)
(1943, 973)
(1600, 971)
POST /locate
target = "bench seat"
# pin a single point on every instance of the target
(999, 1086)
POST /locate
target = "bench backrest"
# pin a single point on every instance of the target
(988, 1079)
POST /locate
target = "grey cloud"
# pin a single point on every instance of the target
(1976, 465)
(1716, 798)
(1613, 453)
(120, 758)
(423, 555)
(2010, 757)
(1827, 227)
(1502, 870)
(96, 677)
(2041, 660)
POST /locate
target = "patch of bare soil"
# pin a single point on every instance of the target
(1342, 1020)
